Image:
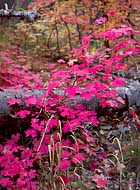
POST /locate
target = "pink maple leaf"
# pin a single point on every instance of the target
(30, 132)
(131, 51)
(66, 143)
(94, 165)
(100, 180)
(100, 20)
(119, 66)
(86, 95)
(124, 44)
(30, 100)
(72, 90)
(118, 82)
(65, 154)
(5, 182)
(60, 74)
(52, 85)
(32, 173)
(34, 124)
(115, 33)
(100, 86)
(86, 39)
(96, 68)
(77, 158)
(52, 123)
(72, 61)
(51, 66)
(110, 103)
(13, 101)
(119, 99)
(68, 127)
(111, 13)
(65, 164)
(61, 61)
(21, 183)
(23, 113)
(94, 120)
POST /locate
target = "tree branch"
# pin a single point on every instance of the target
(28, 15)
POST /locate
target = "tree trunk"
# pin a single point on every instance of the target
(130, 95)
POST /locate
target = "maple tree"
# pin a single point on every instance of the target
(53, 150)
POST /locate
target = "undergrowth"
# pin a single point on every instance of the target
(57, 150)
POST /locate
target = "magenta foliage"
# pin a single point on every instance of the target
(17, 163)
(15, 76)
(54, 127)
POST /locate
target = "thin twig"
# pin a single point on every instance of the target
(44, 132)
